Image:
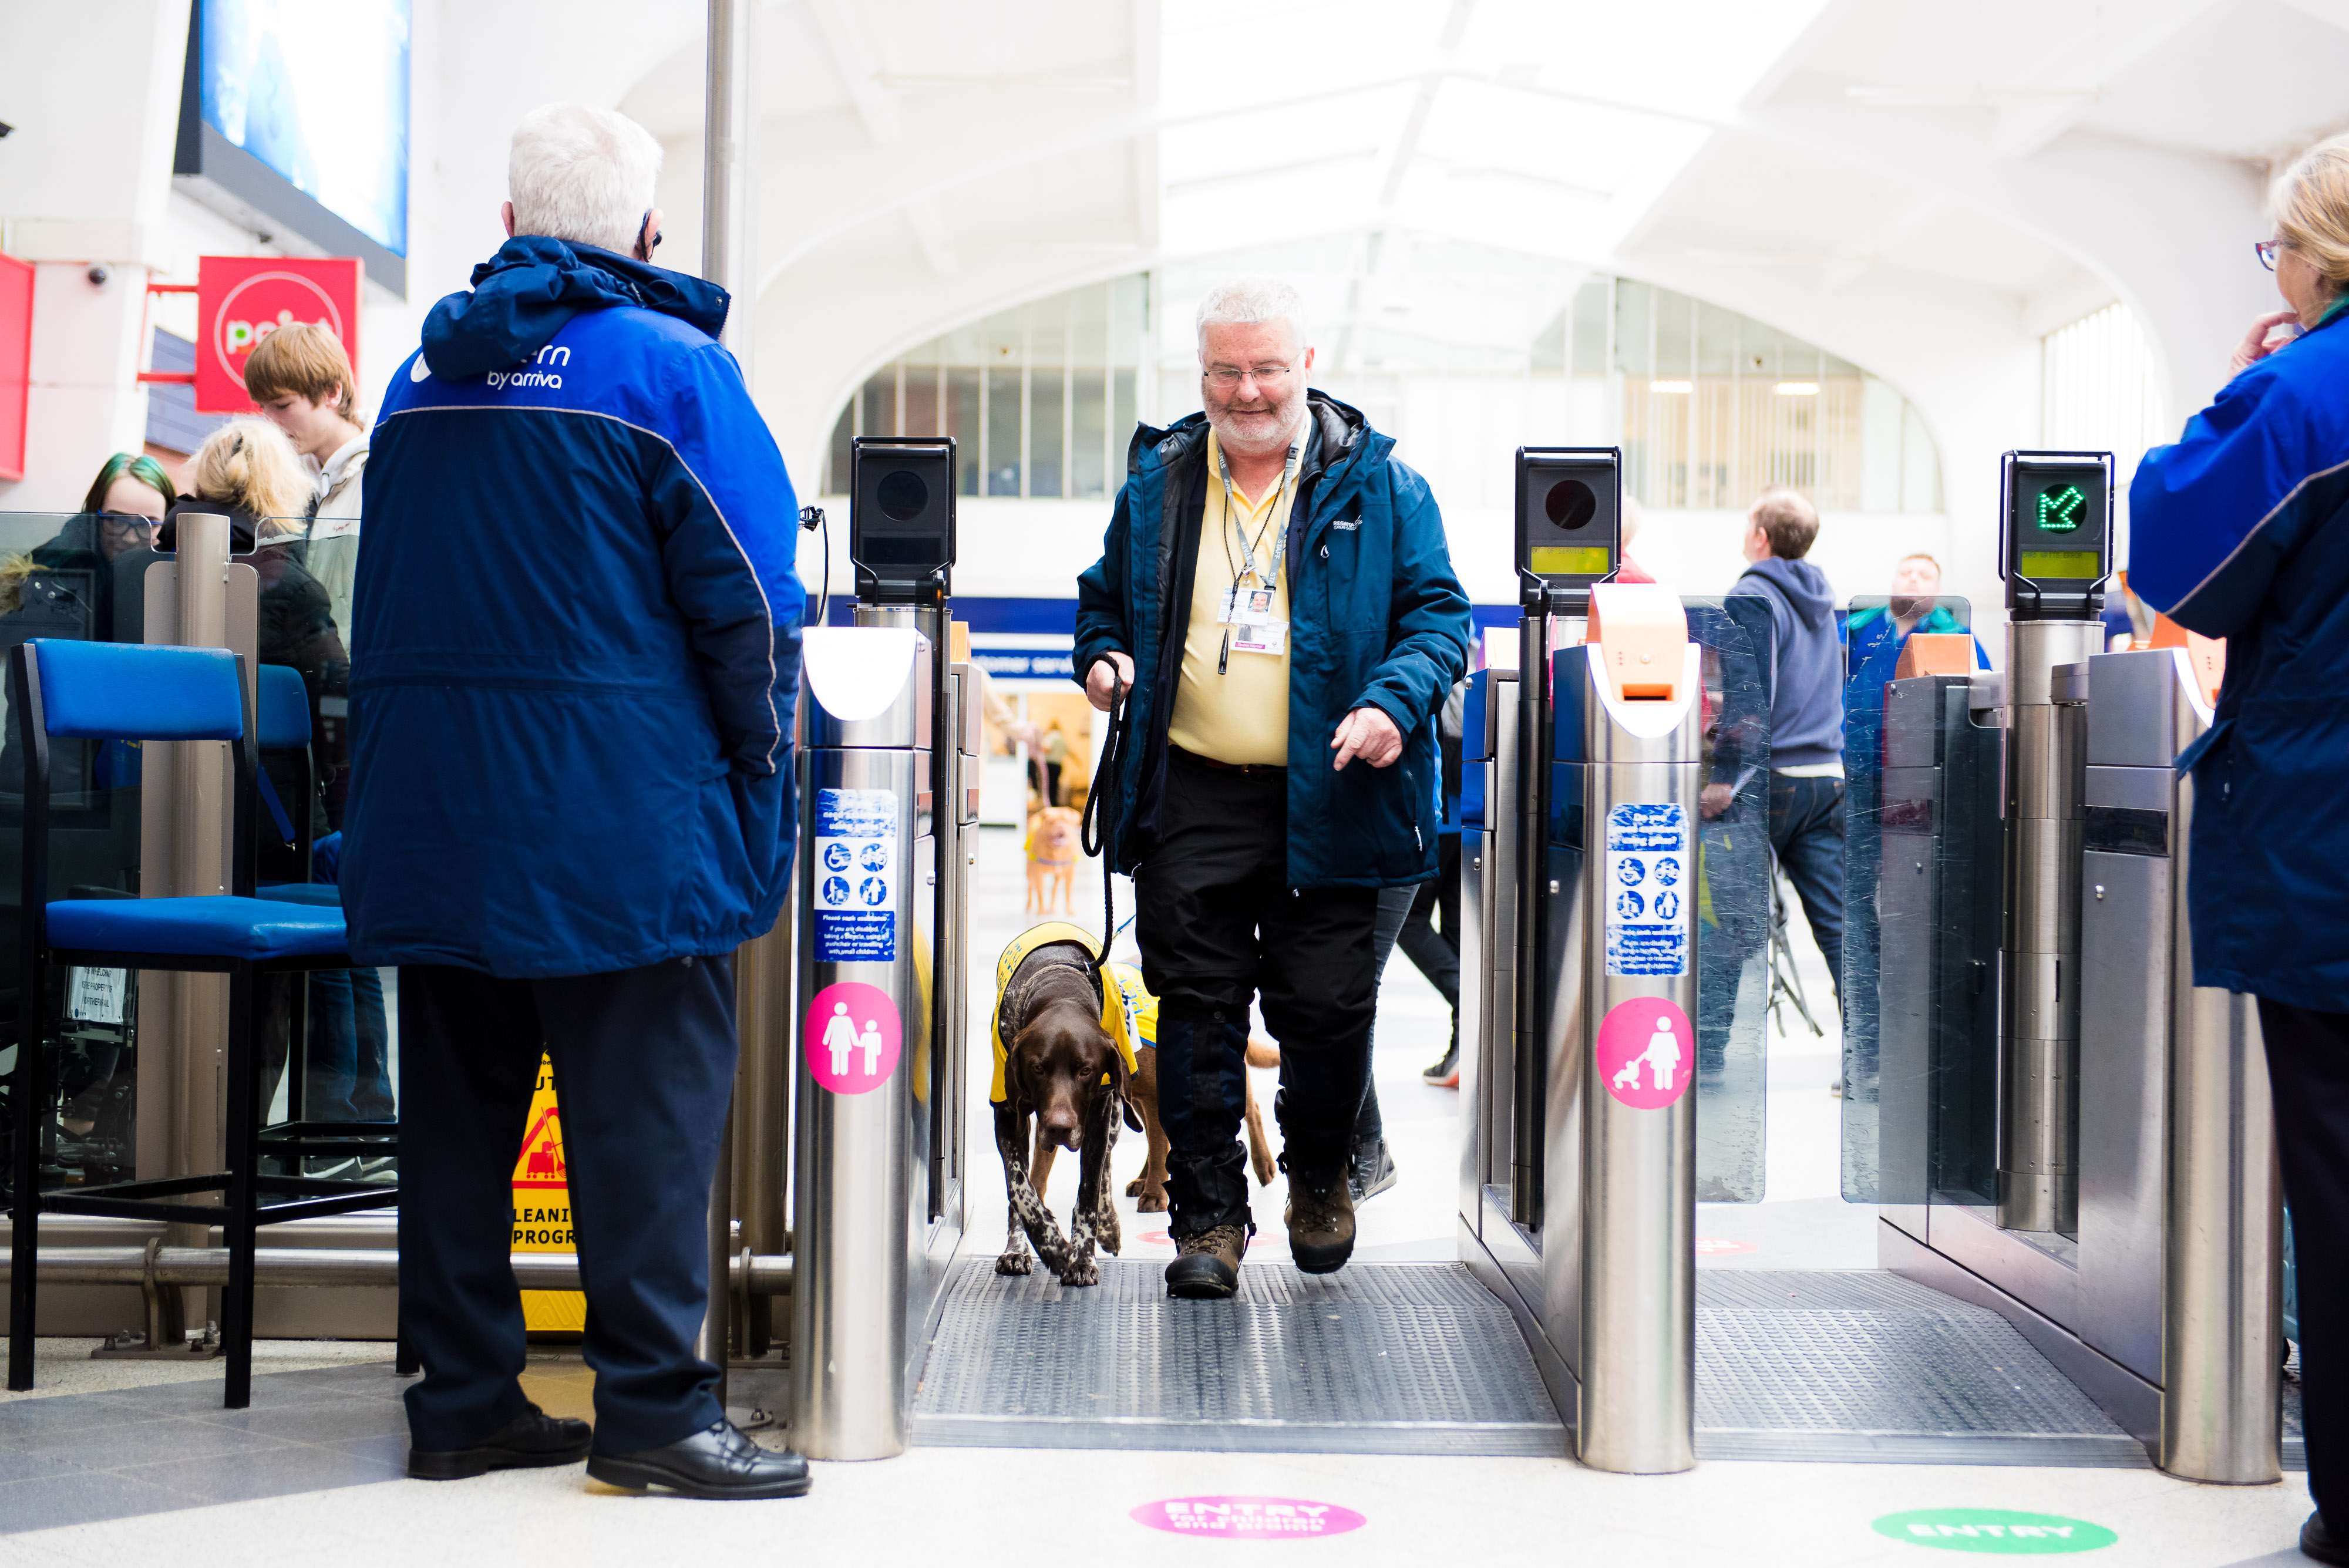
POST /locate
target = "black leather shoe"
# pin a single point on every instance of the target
(716, 1462)
(531, 1440)
(2320, 1544)
(1207, 1267)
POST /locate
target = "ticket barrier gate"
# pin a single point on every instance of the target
(888, 733)
(2053, 1121)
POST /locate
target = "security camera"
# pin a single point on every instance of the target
(98, 275)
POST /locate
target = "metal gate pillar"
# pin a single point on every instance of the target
(865, 717)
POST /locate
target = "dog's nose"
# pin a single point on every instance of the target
(1065, 1134)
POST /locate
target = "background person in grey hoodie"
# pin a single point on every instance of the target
(1806, 782)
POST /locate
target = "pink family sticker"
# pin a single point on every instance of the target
(1248, 1517)
(852, 1037)
(1646, 1053)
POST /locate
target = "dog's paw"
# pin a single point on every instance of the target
(1084, 1273)
(1151, 1203)
(1133, 1187)
(1012, 1263)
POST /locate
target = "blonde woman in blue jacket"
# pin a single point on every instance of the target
(2242, 531)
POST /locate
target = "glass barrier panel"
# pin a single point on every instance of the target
(1921, 854)
(1733, 895)
(77, 577)
(345, 1053)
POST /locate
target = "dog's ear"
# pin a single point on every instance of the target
(1118, 1078)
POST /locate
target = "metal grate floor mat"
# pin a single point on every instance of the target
(1421, 1359)
(1377, 1359)
(1870, 1366)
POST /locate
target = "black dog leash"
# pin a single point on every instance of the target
(1097, 828)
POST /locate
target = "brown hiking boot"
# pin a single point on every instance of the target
(1207, 1267)
(1320, 1221)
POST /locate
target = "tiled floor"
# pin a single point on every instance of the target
(116, 1462)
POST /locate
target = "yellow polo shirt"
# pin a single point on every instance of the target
(1239, 715)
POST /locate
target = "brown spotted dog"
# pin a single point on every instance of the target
(1060, 1066)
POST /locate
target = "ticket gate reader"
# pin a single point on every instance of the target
(2056, 553)
(889, 740)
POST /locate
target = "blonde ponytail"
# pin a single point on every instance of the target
(250, 463)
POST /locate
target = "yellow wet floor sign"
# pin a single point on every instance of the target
(542, 1207)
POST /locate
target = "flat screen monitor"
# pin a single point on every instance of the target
(294, 118)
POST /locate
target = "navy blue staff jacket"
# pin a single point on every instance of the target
(2242, 531)
(577, 631)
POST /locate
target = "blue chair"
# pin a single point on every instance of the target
(282, 718)
(99, 691)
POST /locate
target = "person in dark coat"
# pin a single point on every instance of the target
(2241, 530)
(570, 800)
(1277, 590)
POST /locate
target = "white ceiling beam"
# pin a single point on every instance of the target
(1423, 103)
(2332, 13)
(1149, 182)
(859, 71)
(926, 216)
(2104, 59)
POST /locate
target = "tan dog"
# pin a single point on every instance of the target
(1054, 841)
(1141, 1094)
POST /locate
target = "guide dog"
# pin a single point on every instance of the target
(1063, 1055)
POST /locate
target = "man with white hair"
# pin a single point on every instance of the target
(571, 801)
(1275, 592)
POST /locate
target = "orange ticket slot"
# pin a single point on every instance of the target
(1936, 653)
(1641, 633)
(2205, 656)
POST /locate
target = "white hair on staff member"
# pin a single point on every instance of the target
(582, 174)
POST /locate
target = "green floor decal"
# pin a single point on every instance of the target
(1994, 1530)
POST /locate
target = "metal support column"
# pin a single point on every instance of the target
(865, 712)
(728, 259)
(1641, 730)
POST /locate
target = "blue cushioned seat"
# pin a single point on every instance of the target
(254, 929)
(283, 705)
(325, 895)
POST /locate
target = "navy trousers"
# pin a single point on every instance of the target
(2307, 1069)
(1806, 829)
(644, 1067)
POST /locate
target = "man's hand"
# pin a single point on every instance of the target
(1097, 679)
(2255, 345)
(1714, 800)
(1367, 733)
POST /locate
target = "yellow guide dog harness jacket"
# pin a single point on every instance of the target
(1129, 1014)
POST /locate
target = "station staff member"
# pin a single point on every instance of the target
(2242, 531)
(571, 801)
(1277, 590)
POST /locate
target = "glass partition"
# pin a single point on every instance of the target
(1733, 896)
(78, 576)
(347, 1049)
(1921, 858)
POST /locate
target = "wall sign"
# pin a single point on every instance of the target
(239, 300)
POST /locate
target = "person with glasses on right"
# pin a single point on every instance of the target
(2241, 530)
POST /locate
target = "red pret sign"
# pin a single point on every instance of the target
(239, 300)
(16, 361)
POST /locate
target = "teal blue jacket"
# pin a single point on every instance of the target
(1379, 620)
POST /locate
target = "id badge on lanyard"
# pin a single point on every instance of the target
(1252, 620)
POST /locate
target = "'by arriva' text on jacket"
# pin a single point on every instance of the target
(572, 719)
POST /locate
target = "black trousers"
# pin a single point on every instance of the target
(2308, 1067)
(1218, 924)
(644, 1066)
